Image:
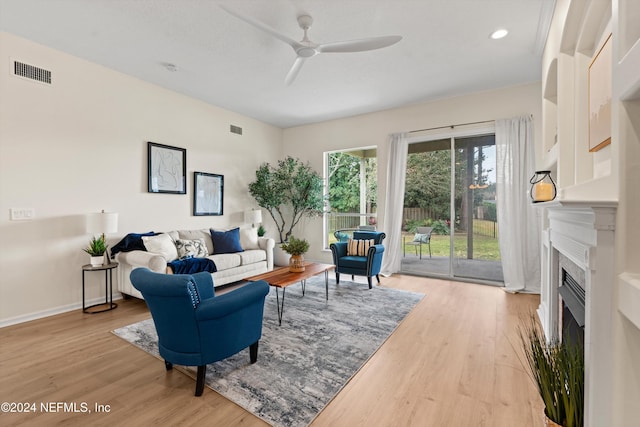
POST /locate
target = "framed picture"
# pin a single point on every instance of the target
(600, 89)
(208, 193)
(167, 169)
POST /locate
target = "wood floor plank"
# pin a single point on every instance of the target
(452, 362)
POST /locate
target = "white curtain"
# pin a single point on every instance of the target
(398, 147)
(518, 221)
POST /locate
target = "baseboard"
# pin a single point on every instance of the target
(53, 311)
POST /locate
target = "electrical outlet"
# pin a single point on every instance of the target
(19, 214)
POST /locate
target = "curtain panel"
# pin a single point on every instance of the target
(398, 148)
(518, 220)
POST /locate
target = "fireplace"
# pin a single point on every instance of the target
(572, 295)
(577, 276)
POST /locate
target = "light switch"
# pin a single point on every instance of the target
(19, 214)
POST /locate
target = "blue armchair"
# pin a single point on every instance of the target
(368, 265)
(194, 326)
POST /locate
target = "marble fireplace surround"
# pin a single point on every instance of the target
(583, 232)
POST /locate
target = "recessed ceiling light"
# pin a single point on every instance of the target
(498, 34)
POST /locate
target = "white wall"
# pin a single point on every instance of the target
(311, 141)
(79, 146)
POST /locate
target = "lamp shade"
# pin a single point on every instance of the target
(102, 222)
(253, 216)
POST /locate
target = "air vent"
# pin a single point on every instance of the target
(30, 72)
(235, 129)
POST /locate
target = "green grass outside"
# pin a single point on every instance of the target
(484, 248)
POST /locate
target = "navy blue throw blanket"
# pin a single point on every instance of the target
(192, 265)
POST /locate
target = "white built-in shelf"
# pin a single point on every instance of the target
(598, 190)
(627, 80)
(629, 297)
(550, 161)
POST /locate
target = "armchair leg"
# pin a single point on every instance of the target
(369, 280)
(378, 278)
(253, 352)
(200, 379)
(168, 365)
(337, 278)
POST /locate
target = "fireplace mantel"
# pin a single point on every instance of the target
(584, 232)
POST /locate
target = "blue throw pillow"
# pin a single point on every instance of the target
(226, 242)
(131, 242)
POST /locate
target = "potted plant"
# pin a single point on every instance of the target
(289, 191)
(557, 370)
(96, 249)
(296, 248)
(261, 231)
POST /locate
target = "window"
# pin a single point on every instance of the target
(352, 185)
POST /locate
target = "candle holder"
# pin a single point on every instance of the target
(543, 189)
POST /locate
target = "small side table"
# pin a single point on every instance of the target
(108, 282)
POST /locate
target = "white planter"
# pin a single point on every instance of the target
(280, 257)
(97, 261)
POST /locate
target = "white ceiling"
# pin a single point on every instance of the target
(445, 50)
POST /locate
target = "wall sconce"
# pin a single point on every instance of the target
(543, 189)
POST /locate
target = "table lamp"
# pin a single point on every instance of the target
(102, 223)
(253, 216)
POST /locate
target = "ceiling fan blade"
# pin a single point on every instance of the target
(264, 27)
(361, 45)
(293, 72)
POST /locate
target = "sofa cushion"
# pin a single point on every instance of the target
(226, 242)
(359, 247)
(191, 248)
(252, 255)
(226, 261)
(249, 238)
(162, 244)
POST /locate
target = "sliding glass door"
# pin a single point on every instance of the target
(450, 197)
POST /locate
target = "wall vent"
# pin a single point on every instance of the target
(31, 72)
(235, 129)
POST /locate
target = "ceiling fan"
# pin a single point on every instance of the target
(306, 48)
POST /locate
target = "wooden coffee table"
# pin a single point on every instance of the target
(282, 277)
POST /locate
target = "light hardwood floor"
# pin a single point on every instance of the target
(452, 362)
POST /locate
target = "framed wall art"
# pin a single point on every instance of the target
(600, 90)
(208, 194)
(167, 169)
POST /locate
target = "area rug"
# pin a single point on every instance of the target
(305, 362)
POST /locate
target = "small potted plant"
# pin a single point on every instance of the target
(261, 231)
(296, 248)
(96, 249)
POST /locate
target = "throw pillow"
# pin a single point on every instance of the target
(358, 247)
(226, 242)
(249, 238)
(195, 248)
(131, 242)
(162, 244)
(421, 238)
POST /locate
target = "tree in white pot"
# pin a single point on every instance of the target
(289, 192)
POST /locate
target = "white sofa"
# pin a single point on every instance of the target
(256, 258)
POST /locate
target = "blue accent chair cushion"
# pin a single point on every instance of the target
(368, 265)
(194, 326)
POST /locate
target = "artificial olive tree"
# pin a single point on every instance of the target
(289, 192)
